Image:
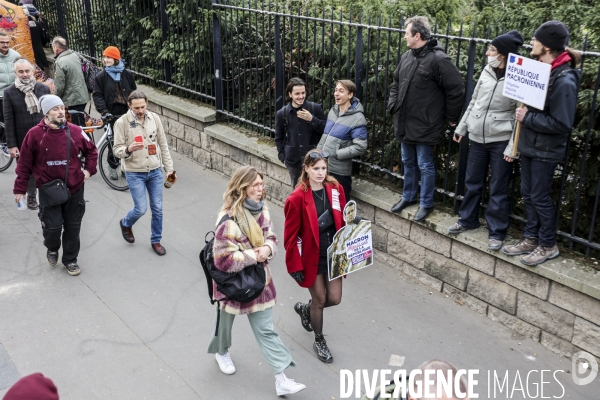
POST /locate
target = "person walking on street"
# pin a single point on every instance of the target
(141, 144)
(313, 214)
(543, 142)
(489, 122)
(298, 128)
(69, 82)
(22, 112)
(7, 71)
(243, 240)
(44, 154)
(112, 87)
(427, 92)
(345, 135)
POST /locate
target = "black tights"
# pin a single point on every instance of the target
(324, 293)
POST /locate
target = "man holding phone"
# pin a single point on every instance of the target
(298, 128)
(141, 144)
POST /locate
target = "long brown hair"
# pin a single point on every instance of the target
(309, 162)
(235, 195)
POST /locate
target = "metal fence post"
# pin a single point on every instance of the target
(359, 68)
(217, 54)
(164, 22)
(463, 148)
(279, 84)
(90, 32)
(62, 30)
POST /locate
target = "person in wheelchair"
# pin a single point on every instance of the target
(112, 87)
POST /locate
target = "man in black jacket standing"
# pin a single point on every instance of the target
(427, 92)
(22, 112)
(298, 128)
(543, 142)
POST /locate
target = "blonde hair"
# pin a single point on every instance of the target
(309, 162)
(235, 195)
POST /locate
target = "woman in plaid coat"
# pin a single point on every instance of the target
(243, 240)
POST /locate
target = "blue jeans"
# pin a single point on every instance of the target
(480, 156)
(536, 190)
(139, 182)
(418, 160)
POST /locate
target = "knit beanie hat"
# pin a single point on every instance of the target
(508, 43)
(33, 387)
(49, 101)
(553, 34)
(112, 52)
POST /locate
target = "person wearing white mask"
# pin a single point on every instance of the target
(489, 121)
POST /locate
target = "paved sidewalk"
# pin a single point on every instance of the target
(135, 325)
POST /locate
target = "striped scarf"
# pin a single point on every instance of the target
(33, 104)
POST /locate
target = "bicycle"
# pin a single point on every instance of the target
(5, 158)
(106, 159)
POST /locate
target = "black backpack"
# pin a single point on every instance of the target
(90, 70)
(242, 286)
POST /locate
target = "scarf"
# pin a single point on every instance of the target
(248, 224)
(560, 60)
(33, 104)
(115, 71)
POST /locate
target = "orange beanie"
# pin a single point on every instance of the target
(112, 52)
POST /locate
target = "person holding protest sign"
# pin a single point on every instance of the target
(543, 142)
(313, 214)
(489, 122)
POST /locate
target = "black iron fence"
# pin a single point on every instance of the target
(237, 55)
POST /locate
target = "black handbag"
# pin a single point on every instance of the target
(56, 192)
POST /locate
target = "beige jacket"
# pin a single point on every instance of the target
(127, 128)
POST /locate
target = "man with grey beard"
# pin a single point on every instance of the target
(22, 112)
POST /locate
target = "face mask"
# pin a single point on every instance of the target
(494, 62)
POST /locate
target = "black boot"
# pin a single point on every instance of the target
(303, 310)
(321, 349)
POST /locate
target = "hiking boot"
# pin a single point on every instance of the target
(127, 233)
(540, 254)
(321, 349)
(525, 246)
(288, 386)
(52, 257)
(494, 244)
(225, 363)
(457, 228)
(32, 203)
(303, 310)
(112, 174)
(72, 269)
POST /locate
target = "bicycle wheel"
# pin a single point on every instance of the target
(5, 158)
(105, 160)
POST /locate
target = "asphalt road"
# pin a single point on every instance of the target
(135, 325)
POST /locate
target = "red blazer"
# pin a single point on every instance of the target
(301, 221)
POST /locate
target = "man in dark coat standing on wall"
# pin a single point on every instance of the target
(298, 128)
(427, 92)
(22, 112)
(543, 142)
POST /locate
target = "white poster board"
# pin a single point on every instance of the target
(352, 247)
(526, 80)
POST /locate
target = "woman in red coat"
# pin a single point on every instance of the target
(313, 214)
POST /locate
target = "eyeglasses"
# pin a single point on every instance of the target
(315, 155)
(6, 43)
(260, 185)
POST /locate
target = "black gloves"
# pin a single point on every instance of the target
(298, 276)
(357, 219)
(281, 157)
(108, 116)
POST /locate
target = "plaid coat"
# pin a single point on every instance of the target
(233, 252)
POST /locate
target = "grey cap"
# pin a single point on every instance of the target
(49, 101)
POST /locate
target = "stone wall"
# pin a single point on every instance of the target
(556, 304)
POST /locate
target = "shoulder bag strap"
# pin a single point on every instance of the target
(68, 153)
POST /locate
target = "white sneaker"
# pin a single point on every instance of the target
(225, 363)
(288, 386)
